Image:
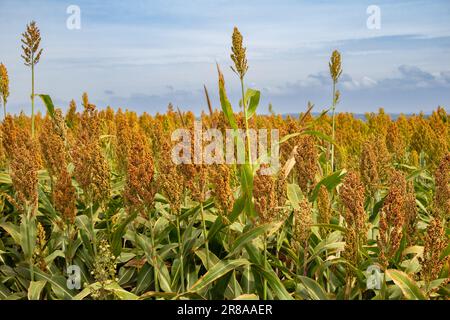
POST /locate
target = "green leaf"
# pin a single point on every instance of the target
(274, 282)
(330, 182)
(247, 296)
(13, 231)
(58, 283)
(116, 242)
(294, 194)
(248, 236)
(28, 236)
(408, 286)
(217, 271)
(224, 102)
(48, 104)
(35, 289)
(144, 278)
(315, 291)
(121, 293)
(252, 97)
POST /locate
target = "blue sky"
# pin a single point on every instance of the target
(142, 55)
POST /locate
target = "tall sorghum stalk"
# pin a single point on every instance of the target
(240, 68)
(335, 72)
(352, 196)
(31, 40)
(205, 236)
(4, 87)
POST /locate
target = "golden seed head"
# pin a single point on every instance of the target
(64, 197)
(52, 148)
(410, 212)
(302, 224)
(221, 178)
(265, 196)
(170, 181)
(393, 217)
(324, 205)
(435, 243)
(352, 196)
(9, 136)
(238, 55)
(139, 188)
(24, 170)
(4, 83)
(92, 170)
(442, 192)
(306, 163)
(395, 142)
(31, 40)
(71, 115)
(369, 168)
(335, 66)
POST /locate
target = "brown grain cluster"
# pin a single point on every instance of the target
(25, 163)
(91, 168)
(238, 55)
(392, 218)
(306, 163)
(335, 66)
(324, 205)
(265, 196)
(442, 192)
(52, 148)
(369, 168)
(139, 189)
(352, 196)
(302, 224)
(170, 181)
(4, 85)
(395, 142)
(223, 193)
(411, 216)
(435, 242)
(31, 40)
(64, 197)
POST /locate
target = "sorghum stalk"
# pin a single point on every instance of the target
(180, 243)
(155, 269)
(205, 235)
(31, 39)
(335, 72)
(240, 68)
(4, 87)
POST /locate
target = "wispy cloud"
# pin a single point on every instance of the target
(149, 53)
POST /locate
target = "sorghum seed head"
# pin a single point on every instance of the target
(238, 56)
(335, 66)
(31, 40)
(4, 83)
(306, 163)
(442, 192)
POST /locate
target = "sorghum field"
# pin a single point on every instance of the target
(358, 210)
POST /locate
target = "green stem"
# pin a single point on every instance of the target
(205, 236)
(94, 238)
(32, 97)
(155, 269)
(181, 253)
(247, 135)
(265, 266)
(334, 127)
